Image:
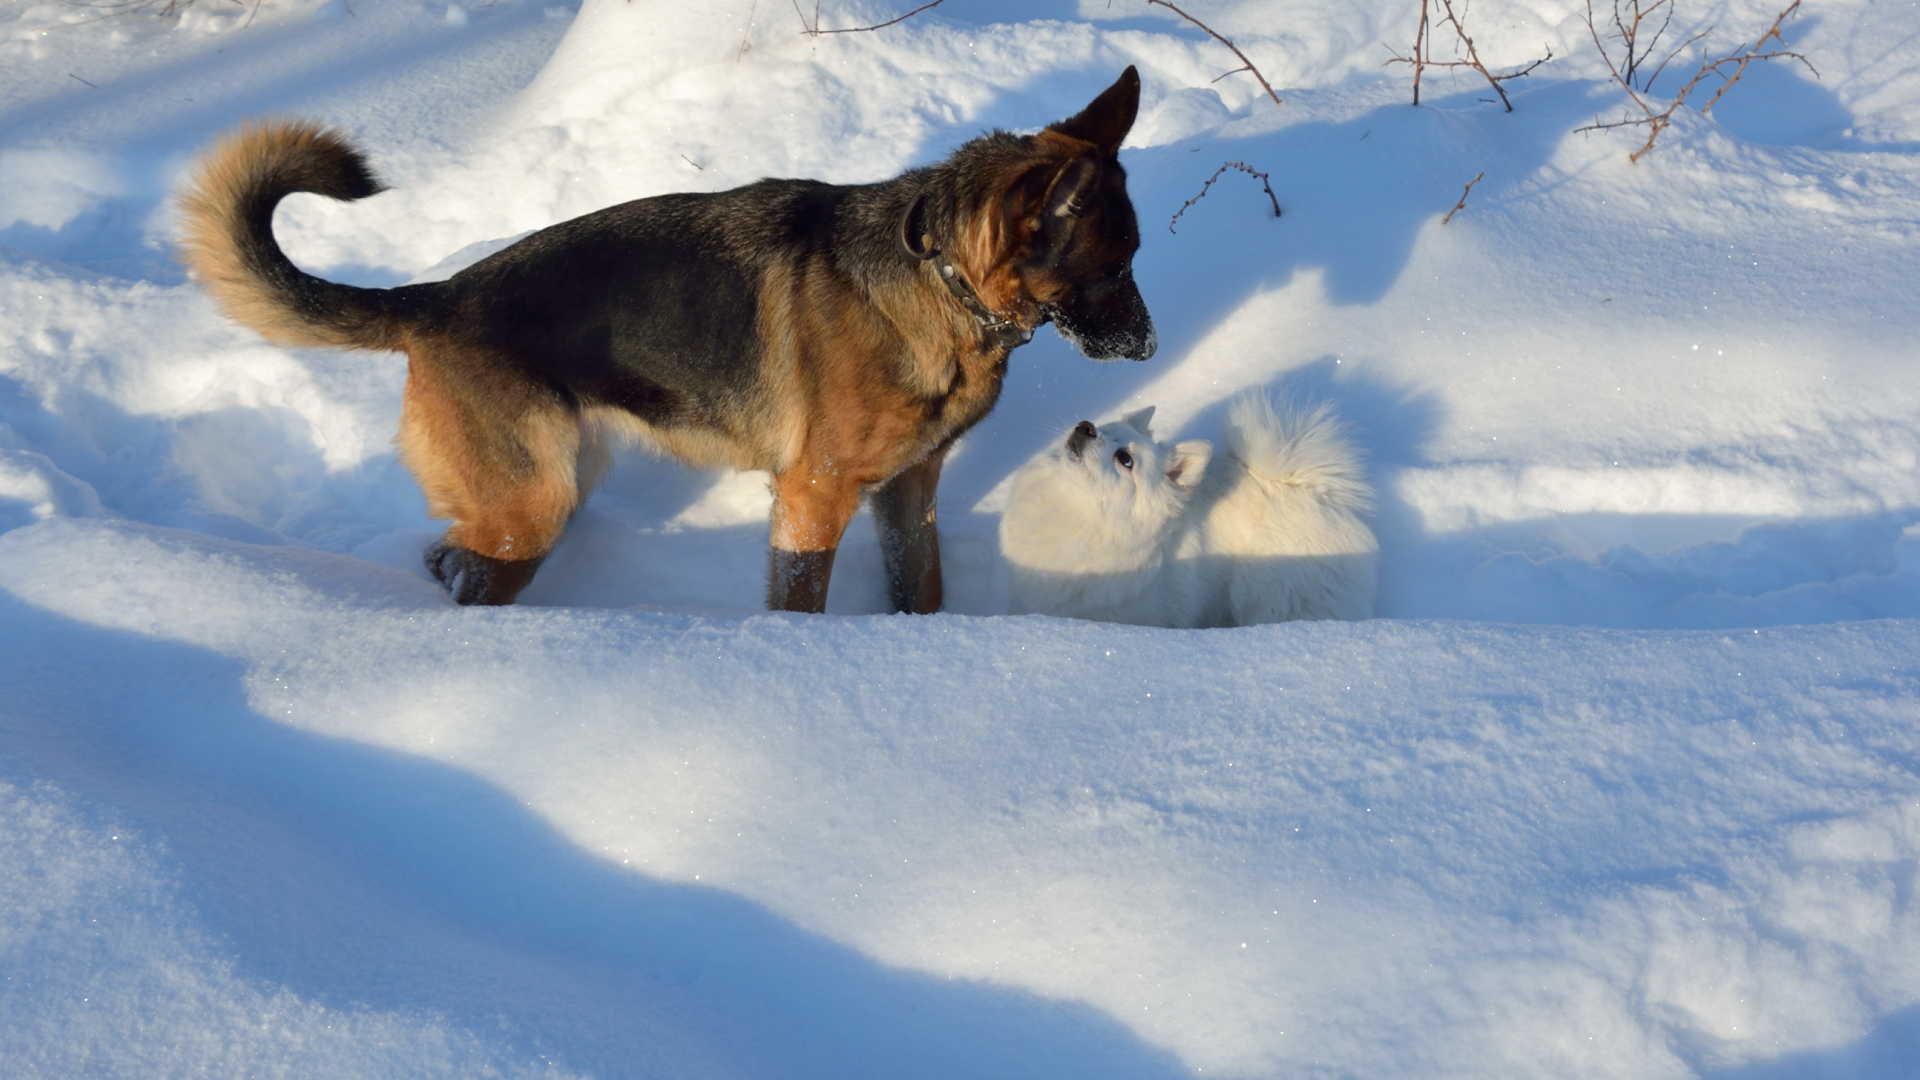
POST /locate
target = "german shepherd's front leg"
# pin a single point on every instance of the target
(909, 538)
(810, 512)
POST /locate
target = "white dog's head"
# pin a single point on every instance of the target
(1103, 497)
(1127, 475)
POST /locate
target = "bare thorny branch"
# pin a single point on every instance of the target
(812, 29)
(1422, 57)
(1246, 64)
(1658, 119)
(1419, 52)
(815, 31)
(1265, 184)
(1628, 23)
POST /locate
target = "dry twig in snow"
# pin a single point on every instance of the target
(1247, 65)
(1265, 185)
(815, 31)
(1462, 204)
(1422, 57)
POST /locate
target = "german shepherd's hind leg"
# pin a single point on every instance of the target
(810, 513)
(498, 456)
(904, 510)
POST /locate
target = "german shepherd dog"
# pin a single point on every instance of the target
(840, 337)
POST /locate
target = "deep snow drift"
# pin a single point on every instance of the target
(1622, 782)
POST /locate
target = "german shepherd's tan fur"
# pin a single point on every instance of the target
(882, 316)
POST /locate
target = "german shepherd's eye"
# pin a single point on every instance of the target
(1124, 458)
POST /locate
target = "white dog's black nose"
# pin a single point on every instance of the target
(1083, 433)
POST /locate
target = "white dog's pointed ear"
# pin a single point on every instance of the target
(1188, 462)
(1138, 421)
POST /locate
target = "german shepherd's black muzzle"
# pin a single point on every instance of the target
(1107, 320)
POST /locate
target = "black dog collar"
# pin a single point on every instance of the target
(996, 329)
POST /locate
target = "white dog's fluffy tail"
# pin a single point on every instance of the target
(1301, 446)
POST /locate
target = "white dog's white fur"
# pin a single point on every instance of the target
(1111, 525)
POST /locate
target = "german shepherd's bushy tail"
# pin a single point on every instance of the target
(1301, 446)
(228, 238)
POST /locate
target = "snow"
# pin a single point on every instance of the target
(1624, 781)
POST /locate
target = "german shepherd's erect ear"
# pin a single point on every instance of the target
(1107, 119)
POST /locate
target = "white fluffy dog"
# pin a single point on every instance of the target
(1111, 525)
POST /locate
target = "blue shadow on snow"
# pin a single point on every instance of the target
(1888, 1052)
(363, 878)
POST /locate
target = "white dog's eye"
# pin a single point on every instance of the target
(1124, 458)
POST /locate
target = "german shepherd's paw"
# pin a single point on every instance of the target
(473, 578)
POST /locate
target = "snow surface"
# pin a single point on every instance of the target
(1625, 781)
